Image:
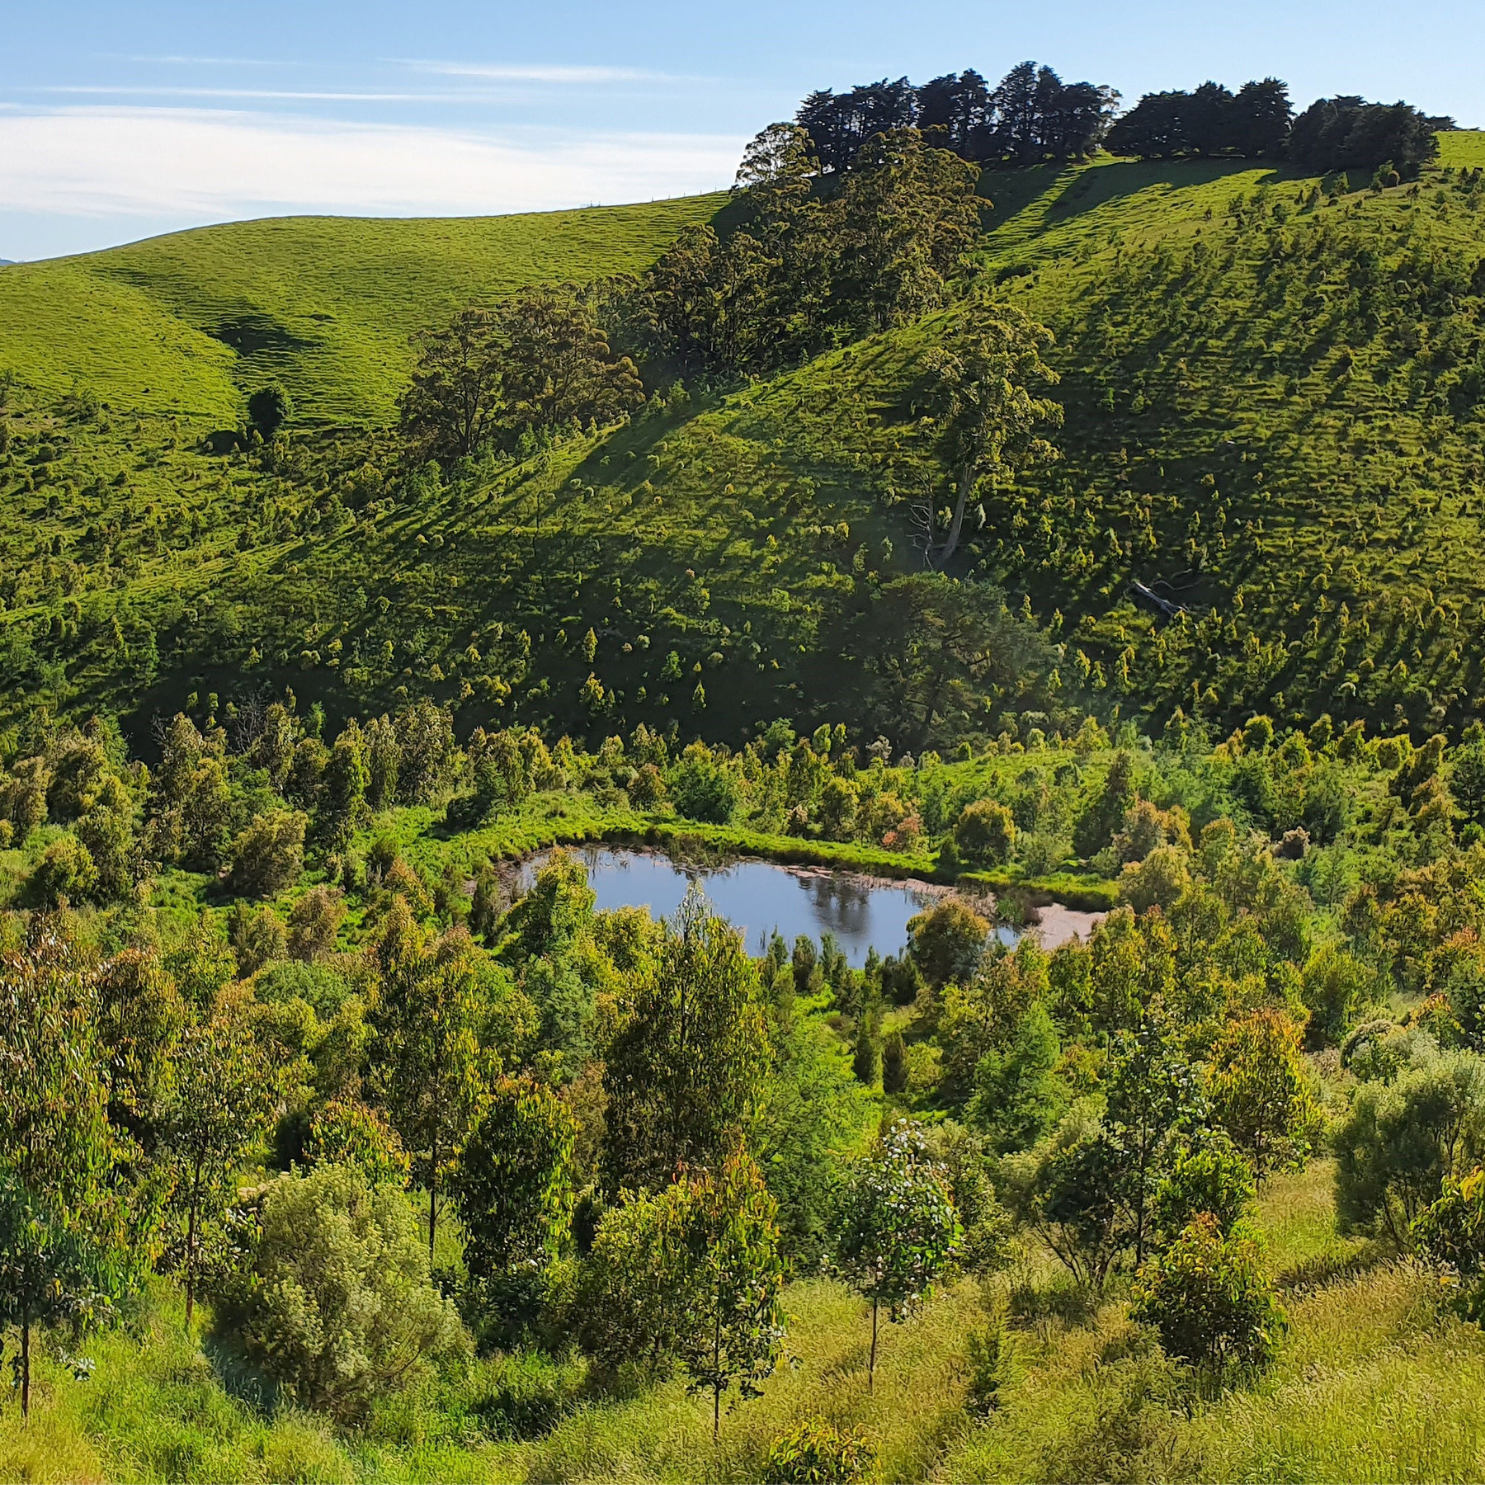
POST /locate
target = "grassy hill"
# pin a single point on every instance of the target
(182, 324)
(1273, 400)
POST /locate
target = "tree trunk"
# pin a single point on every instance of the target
(191, 1223)
(432, 1198)
(951, 541)
(716, 1370)
(871, 1368)
(26, 1363)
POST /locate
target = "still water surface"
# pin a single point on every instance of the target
(758, 897)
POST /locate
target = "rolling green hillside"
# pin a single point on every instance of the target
(1273, 400)
(181, 324)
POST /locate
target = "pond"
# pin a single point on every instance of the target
(759, 897)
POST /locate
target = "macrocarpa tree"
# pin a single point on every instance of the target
(898, 1227)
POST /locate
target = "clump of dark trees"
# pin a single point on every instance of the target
(1257, 123)
(1033, 116)
(1030, 115)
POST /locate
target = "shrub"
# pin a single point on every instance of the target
(703, 790)
(269, 855)
(317, 985)
(1207, 1298)
(348, 1133)
(314, 922)
(1403, 1140)
(985, 833)
(946, 941)
(338, 1306)
(66, 870)
(647, 789)
(1261, 1090)
(815, 1452)
(1211, 1178)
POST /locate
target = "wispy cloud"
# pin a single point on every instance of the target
(561, 76)
(302, 95)
(214, 164)
(178, 61)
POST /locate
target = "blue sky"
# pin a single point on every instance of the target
(123, 119)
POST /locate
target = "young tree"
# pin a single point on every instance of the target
(1152, 1096)
(51, 1272)
(983, 405)
(688, 1065)
(428, 1065)
(1018, 1096)
(735, 1332)
(512, 1181)
(224, 1101)
(1260, 1090)
(1402, 1140)
(63, 1218)
(898, 1227)
(1207, 1297)
(946, 941)
(268, 855)
(338, 1307)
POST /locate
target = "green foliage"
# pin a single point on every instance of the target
(703, 791)
(428, 1067)
(687, 1067)
(337, 1306)
(1261, 1091)
(1206, 1177)
(513, 1188)
(1451, 1231)
(225, 1094)
(946, 941)
(985, 833)
(815, 1452)
(898, 1228)
(350, 1134)
(1207, 1298)
(1402, 1140)
(269, 854)
(1017, 1095)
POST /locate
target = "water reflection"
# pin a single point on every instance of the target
(761, 897)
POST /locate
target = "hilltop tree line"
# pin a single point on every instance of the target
(1033, 116)
(1030, 115)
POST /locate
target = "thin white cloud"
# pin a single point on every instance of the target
(262, 95)
(540, 73)
(176, 61)
(210, 165)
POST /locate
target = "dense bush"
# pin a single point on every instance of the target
(337, 1306)
(1207, 1298)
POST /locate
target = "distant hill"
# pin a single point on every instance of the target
(1274, 404)
(184, 323)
